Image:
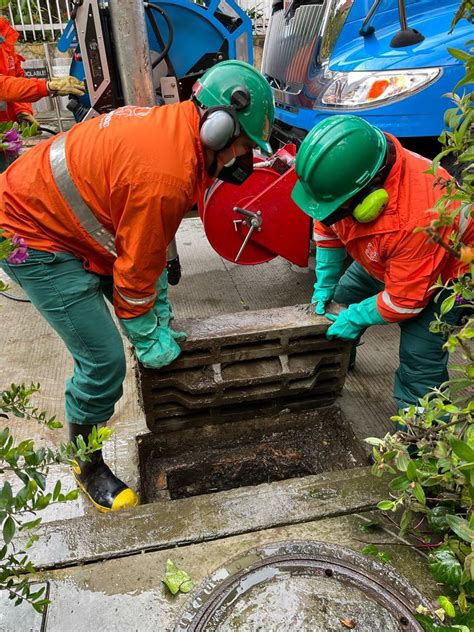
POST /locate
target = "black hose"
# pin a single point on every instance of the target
(149, 8)
(48, 130)
(15, 298)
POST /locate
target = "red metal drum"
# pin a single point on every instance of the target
(284, 230)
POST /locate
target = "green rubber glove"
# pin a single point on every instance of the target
(351, 322)
(163, 308)
(329, 262)
(155, 345)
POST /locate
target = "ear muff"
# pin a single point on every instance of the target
(373, 198)
(219, 127)
(219, 124)
(371, 206)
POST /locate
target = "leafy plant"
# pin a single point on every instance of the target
(374, 551)
(22, 499)
(24, 496)
(432, 457)
(177, 580)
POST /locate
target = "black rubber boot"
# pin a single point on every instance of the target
(96, 480)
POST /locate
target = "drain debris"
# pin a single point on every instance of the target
(228, 455)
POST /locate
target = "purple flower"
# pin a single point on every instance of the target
(460, 300)
(11, 135)
(11, 142)
(19, 254)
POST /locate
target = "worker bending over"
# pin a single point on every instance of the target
(367, 195)
(97, 207)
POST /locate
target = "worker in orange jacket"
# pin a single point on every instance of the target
(97, 208)
(18, 92)
(367, 195)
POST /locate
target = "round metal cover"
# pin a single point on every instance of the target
(302, 586)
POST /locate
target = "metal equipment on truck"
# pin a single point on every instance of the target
(185, 39)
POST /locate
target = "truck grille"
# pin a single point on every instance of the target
(289, 46)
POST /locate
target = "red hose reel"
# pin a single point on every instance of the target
(258, 221)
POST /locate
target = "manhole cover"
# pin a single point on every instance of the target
(302, 586)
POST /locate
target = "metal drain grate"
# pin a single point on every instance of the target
(302, 586)
(238, 363)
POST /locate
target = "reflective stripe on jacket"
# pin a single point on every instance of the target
(389, 249)
(138, 170)
(16, 92)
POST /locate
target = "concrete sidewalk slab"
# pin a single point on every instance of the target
(127, 594)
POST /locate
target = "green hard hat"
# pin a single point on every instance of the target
(337, 158)
(227, 83)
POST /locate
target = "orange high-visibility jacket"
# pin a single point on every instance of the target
(138, 169)
(389, 249)
(16, 92)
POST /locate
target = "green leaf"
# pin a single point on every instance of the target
(57, 490)
(445, 566)
(461, 528)
(411, 471)
(39, 605)
(385, 505)
(462, 450)
(373, 549)
(459, 54)
(370, 549)
(402, 461)
(8, 530)
(370, 526)
(419, 494)
(374, 441)
(447, 606)
(437, 519)
(448, 304)
(4, 436)
(429, 625)
(177, 580)
(400, 483)
(32, 524)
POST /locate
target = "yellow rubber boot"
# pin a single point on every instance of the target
(97, 481)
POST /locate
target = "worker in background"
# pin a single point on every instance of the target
(97, 208)
(367, 195)
(18, 92)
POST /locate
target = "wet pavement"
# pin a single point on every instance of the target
(104, 572)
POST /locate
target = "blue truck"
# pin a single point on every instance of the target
(386, 61)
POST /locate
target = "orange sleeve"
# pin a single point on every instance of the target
(412, 270)
(325, 237)
(20, 90)
(146, 217)
(15, 89)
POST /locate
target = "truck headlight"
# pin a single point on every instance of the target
(363, 89)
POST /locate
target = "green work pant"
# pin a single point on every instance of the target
(72, 301)
(423, 361)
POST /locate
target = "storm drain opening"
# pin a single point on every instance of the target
(222, 456)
